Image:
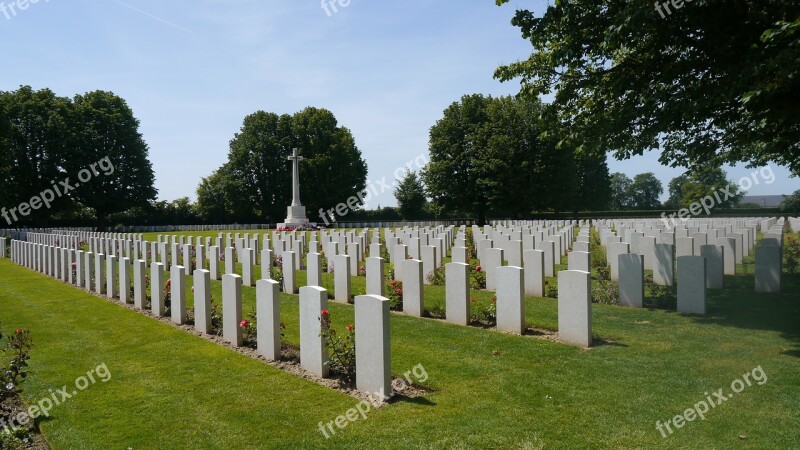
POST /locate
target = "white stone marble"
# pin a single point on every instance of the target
(112, 280)
(692, 285)
(413, 292)
(376, 281)
(178, 294)
(428, 262)
(268, 315)
(213, 262)
(575, 308)
(232, 309)
(313, 353)
(579, 261)
(202, 301)
(100, 273)
(289, 279)
(314, 269)
(729, 254)
(460, 255)
(768, 268)
(493, 258)
(124, 280)
(715, 257)
(247, 267)
(510, 299)
(88, 270)
(664, 265)
(457, 293)
(341, 278)
(373, 349)
(534, 272)
(631, 280)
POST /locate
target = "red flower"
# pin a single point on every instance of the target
(74, 264)
(169, 282)
(349, 327)
(399, 292)
(478, 269)
(473, 300)
(393, 283)
(244, 324)
(494, 299)
(18, 331)
(324, 312)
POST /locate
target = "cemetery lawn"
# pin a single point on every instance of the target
(170, 389)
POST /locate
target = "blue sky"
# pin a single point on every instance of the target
(192, 70)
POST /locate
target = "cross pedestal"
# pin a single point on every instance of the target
(296, 213)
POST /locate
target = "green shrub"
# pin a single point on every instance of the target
(394, 292)
(436, 278)
(791, 254)
(485, 314)
(436, 312)
(342, 349)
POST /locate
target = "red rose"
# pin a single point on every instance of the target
(18, 331)
(350, 327)
(478, 269)
(324, 312)
(244, 324)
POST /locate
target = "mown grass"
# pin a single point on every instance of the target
(490, 390)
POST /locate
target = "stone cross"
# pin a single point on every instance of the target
(296, 158)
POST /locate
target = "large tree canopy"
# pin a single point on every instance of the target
(255, 182)
(108, 131)
(713, 82)
(492, 156)
(693, 186)
(47, 141)
(410, 195)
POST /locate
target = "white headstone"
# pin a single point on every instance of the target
(232, 308)
(510, 300)
(692, 285)
(268, 314)
(202, 301)
(313, 352)
(178, 295)
(457, 291)
(575, 308)
(373, 349)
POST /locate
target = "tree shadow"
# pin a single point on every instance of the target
(738, 305)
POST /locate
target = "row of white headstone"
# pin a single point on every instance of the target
(110, 276)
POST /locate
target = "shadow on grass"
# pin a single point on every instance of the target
(741, 307)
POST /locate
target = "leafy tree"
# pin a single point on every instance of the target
(645, 191)
(212, 206)
(693, 186)
(107, 132)
(456, 143)
(620, 191)
(713, 82)
(257, 177)
(35, 141)
(593, 186)
(410, 195)
(791, 204)
(498, 156)
(334, 170)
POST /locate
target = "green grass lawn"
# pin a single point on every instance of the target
(170, 389)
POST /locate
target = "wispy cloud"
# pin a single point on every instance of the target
(152, 16)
